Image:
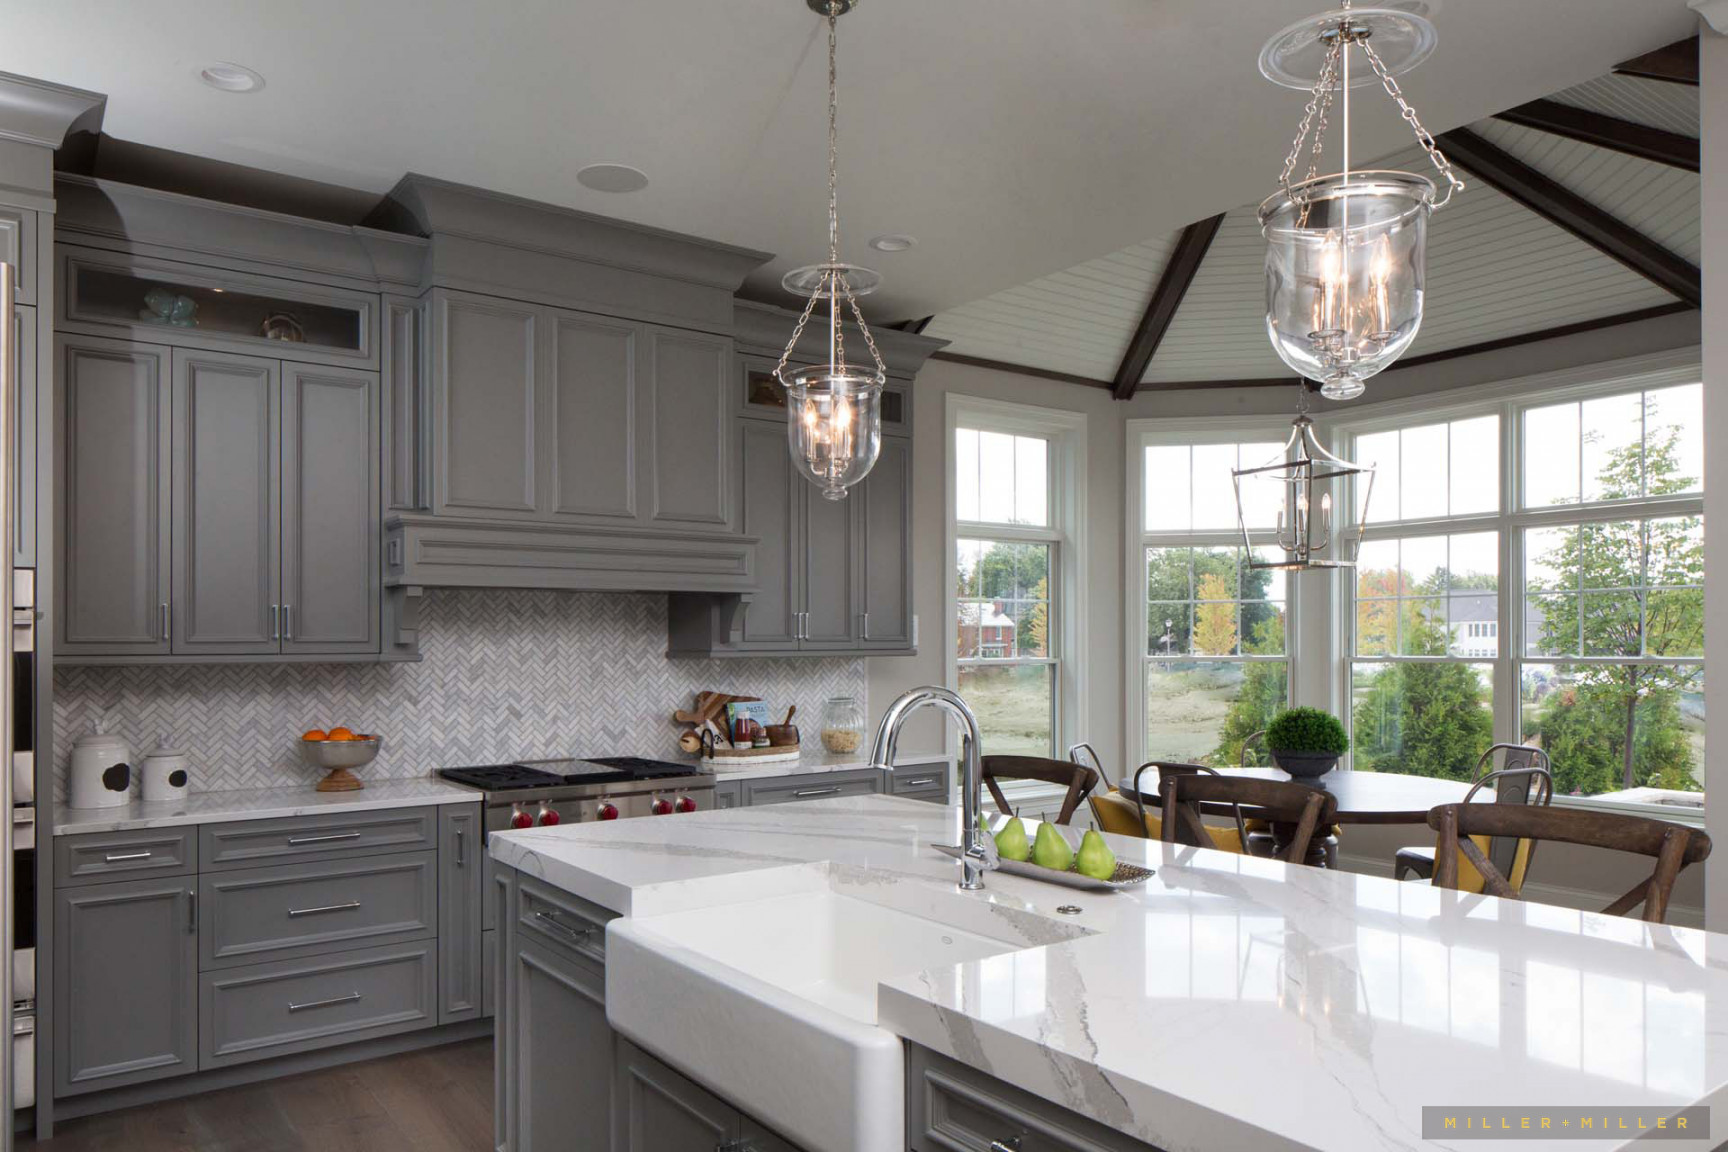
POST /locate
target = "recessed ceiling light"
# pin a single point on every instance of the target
(231, 77)
(612, 178)
(893, 242)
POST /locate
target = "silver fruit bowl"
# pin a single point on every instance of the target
(330, 754)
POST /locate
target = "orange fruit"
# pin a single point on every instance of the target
(341, 733)
(314, 734)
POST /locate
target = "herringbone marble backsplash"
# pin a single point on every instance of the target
(506, 674)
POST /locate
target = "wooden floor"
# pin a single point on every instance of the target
(437, 1100)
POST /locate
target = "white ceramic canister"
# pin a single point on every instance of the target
(167, 775)
(101, 771)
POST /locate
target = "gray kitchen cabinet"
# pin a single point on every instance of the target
(562, 1052)
(227, 572)
(329, 498)
(951, 1105)
(657, 1109)
(461, 959)
(728, 794)
(930, 781)
(689, 425)
(501, 893)
(25, 415)
(594, 381)
(885, 553)
(831, 551)
(773, 512)
(114, 495)
(126, 983)
(484, 401)
(405, 359)
(820, 786)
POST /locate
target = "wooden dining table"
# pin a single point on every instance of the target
(1363, 797)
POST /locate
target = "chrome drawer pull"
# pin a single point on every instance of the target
(1012, 1144)
(817, 792)
(116, 857)
(920, 782)
(323, 839)
(579, 936)
(348, 907)
(348, 999)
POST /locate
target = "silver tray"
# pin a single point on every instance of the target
(1125, 876)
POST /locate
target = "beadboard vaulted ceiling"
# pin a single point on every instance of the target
(1015, 138)
(1496, 269)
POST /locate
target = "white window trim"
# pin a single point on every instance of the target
(1066, 432)
(1141, 434)
(1510, 400)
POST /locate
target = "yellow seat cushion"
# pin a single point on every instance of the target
(1115, 813)
(1470, 880)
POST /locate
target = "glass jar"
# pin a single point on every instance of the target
(843, 725)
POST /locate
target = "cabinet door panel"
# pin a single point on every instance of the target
(885, 509)
(24, 431)
(461, 962)
(484, 380)
(226, 534)
(593, 391)
(114, 496)
(830, 567)
(126, 984)
(657, 1109)
(330, 510)
(773, 512)
(562, 1057)
(690, 419)
(406, 385)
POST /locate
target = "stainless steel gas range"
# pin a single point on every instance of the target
(536, 793)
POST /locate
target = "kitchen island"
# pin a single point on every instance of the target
(1230, 1003)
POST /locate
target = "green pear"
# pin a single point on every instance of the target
(1011, 842)
(1096, 860)
(1050, 850)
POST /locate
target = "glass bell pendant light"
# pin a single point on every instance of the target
(1303, 489)
(1345, 252)
(834, 409)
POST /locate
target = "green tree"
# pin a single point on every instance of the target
(1263, 692)
(1423, 719)
(1614, 726)
(1215, 616)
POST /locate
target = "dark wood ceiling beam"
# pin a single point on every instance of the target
(1019, 369)
(1676, 63)
(1179, 272)
(1550, 200)
(1663, 147)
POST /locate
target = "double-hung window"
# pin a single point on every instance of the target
(1011, 556)
(1533, 572)
(1208, 667)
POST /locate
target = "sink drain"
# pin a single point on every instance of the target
(1070, 909)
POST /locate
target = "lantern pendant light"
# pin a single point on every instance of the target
(834, 410)
(1345, 260)
(1303, 469)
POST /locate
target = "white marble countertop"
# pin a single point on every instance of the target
(815, 761)
(259, 804)
(1231, 1002)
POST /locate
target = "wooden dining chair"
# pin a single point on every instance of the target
(1077, 778)
(1115, 812)
(1308, 810)
(1672, 846)
(1418, 859)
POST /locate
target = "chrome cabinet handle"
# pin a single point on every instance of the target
(348, 907)
(920, 782)
(323, 839)
(1012, 1144)
(461, 851)
(578, 936)
(816, 792)
(164, 621)
(116, 857)
(275, 621)
(866, 625)
(191, 909)
(334, 1000)
(287, 621)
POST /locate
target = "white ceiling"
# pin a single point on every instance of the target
(1013, 137)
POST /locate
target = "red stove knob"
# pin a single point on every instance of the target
(549, 815)
(606, 811)
(519, 818)
(684, 804)
(661, 806)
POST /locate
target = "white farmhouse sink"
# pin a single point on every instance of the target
(771, 1003)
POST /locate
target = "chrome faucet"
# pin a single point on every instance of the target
(973, 852)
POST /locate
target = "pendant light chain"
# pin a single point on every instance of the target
(1423, 136)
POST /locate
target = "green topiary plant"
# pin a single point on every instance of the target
(1307, 731)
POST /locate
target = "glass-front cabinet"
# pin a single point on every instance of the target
(179, 303)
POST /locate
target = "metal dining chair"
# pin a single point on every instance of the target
(1086, 756)
(1417, 860)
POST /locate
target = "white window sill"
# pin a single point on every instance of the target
(1674, 814)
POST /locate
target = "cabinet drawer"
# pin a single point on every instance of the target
(778, 790)
(144, 852)
(951, 1106)
(266, 1010)
(568, 924)
(916, 779)
(290, 910)
(253, 842)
